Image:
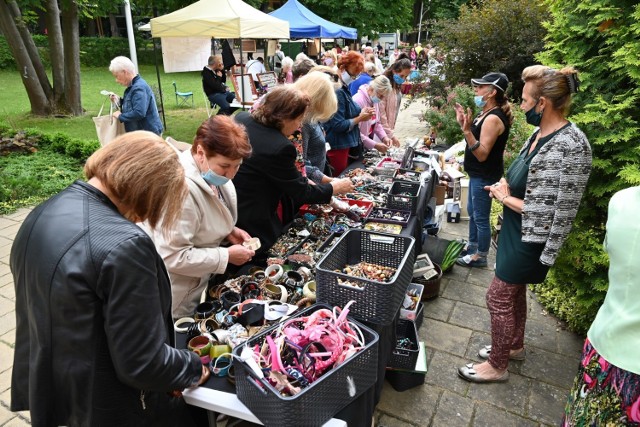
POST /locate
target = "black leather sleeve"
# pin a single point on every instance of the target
(131, 286)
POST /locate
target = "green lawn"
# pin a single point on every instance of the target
(181, 123)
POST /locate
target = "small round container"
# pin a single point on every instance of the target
(253, 244)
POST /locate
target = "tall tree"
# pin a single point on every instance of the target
(369, 17)
(63, 97)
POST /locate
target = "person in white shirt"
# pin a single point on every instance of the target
(255, 67)
(369, 50)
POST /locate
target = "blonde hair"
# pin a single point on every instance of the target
(144, 174)
(319, 87)
(555, 85)
(381, 84)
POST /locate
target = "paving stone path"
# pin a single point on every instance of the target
(456, 324)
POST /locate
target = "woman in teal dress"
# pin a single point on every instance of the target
(541, 194)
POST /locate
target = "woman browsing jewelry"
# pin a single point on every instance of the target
(486, 137)
(541, 194)
(195, 248)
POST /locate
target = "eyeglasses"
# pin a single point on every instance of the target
(334, 77)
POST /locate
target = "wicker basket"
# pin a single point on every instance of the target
(376, 302)
(319, 402)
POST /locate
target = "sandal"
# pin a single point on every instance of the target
(467, 372)
(485, 352)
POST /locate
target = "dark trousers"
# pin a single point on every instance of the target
(223, 100)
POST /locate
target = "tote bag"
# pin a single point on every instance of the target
(107, 127)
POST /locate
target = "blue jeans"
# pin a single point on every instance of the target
(479, 208)
(223, 100)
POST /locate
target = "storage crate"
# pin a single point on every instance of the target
(387, 166)
(419, 317)
(404, 195)
(405, 358)
(315, 404)
(390, 216)
(407, 175)
(408, 314)
(376, 302)
(403, 381)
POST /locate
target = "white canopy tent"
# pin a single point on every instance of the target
(219, 19)
(206, 19)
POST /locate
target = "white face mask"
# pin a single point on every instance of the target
(346, 77)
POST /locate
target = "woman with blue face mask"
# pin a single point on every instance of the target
(370, 95)
(540, 193)
(397, 74)
(486, 136)
(205, 240)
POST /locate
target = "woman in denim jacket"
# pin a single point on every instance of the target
(541, 194)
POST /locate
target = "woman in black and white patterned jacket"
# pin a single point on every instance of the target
(541, 194)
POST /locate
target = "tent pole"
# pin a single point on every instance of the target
(155, 58)
(242, 75)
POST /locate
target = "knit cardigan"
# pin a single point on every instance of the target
(557, 178)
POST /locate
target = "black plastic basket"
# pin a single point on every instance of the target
(378, 215)
(408, 175)
(404, 195)
(405, 358)
(376, 302)
(319, 402)
(403, 381)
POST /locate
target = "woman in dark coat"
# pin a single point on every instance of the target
(270, 173)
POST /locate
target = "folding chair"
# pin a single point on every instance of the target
(182, 98)
(212, 109)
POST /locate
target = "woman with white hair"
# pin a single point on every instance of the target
(286, 73)
(370, 95)
(138, 104)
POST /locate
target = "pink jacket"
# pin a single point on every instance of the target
(389, 108)
(373, 125)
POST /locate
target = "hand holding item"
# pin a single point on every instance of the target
(499, 190)
(239, 254)
(365, 114)
(116, 113)
(114, 98)
(382, 148)
(238, 236)
(205, 375)
(343, 185)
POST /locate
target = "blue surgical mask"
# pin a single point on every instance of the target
(213, 178)
(399, 80)
(479, 101)
(375, 99)
(532, 117)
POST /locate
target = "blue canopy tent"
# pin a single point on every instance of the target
(305, 24)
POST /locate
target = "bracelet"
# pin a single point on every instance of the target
(503, 199)
(475, 146)
(182, 324)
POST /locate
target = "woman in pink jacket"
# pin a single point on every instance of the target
(397, 73)
(370, 96)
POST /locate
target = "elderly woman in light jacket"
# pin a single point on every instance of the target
(370, 95)
(205, 240)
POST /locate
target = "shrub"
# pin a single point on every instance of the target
(600, 39)
(492, 35)
(441, 114)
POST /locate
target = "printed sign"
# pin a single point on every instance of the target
(268, 80)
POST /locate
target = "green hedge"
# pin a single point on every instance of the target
(94, 51)
(27, 178)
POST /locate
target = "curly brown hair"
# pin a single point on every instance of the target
(281, 103)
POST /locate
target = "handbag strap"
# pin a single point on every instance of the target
(101, 107)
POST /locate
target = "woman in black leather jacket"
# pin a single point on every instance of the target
(94, 337)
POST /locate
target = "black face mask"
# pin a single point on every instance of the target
(532, 117)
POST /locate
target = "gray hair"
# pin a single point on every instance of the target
(287, 63)
(370, 68)
(214, 59)
(122, 63)
(381, 84)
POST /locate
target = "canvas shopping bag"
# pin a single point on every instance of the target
(107, 127)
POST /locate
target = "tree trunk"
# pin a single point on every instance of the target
(71, 38)
(56, 50)
(113, 24)
(32, 51)
(37, 96)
